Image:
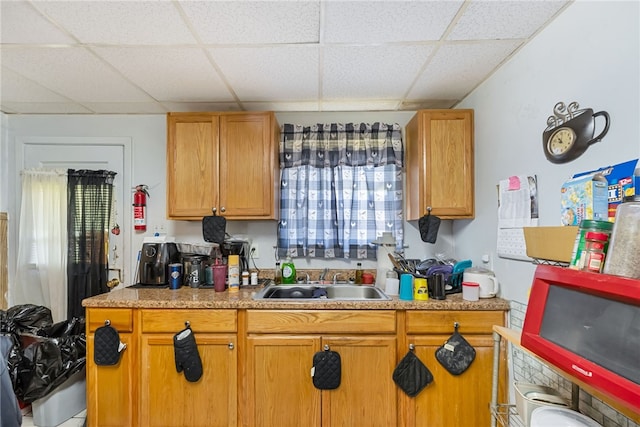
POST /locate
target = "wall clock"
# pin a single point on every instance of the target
(570, 131)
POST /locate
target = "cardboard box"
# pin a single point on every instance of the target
(584, 197)
(550, 243)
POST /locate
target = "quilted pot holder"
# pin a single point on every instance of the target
(456, 355)
(187, 356)
(327, 369)
(411, 375)
(214, 228)
(106, 349)
(428, 226)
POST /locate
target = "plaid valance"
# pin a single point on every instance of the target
(338, 144)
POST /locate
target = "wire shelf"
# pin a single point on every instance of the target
(507, 416)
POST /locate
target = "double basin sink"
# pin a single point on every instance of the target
(315, 292)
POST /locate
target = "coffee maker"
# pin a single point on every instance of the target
(237, 247)
(154, 263)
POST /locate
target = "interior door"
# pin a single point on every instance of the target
(95, 155)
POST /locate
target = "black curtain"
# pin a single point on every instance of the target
(89, 197)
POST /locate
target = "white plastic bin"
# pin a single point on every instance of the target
(67, 400)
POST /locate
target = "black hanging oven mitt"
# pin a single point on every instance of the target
(187, 356)
(428, 226)
(106, 349)
(214, 228)
(327, 369)
(456, 355)
(411, 375)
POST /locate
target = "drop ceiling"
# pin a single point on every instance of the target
(151, 57)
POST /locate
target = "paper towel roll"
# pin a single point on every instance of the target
(384, 264)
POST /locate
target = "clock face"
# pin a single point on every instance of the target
(561, 141)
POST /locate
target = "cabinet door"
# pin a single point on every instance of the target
(450, 400)
(279, 387)
(440, 174)
(167, 399)
(249, 171)
(192, 165)
(367, 393)
(111, 399)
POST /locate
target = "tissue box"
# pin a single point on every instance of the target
(584, 197)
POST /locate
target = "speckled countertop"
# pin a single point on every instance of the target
(186, 297)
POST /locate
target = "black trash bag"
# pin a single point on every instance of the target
(17, 320)
(48, 353)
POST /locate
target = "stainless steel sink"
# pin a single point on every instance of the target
(302, 292)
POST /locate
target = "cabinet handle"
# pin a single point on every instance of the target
(231, 346)
(326, 347)
(412, 347)
(222, 209)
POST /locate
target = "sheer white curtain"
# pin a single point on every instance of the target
(41, 273)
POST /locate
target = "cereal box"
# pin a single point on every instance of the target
(620, 181)
(584, 197)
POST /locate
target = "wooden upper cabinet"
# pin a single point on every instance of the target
(227, 161)
(439, 164)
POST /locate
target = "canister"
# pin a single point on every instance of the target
(586, 226)
(175, 276)
(420, 289)
(470, 291)
(623, 256)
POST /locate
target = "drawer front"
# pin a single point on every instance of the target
(321, 321)
(441, 322)
(120, 318)
(174, 320)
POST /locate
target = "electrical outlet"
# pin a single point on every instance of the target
(254, 252)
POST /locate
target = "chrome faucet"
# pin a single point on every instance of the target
(323, 274)
(335, 278)
(308, 278)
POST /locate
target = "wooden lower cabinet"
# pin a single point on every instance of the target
(279, 387)
(167, 398)
(451, 400)
(111, 393)
(257, 368)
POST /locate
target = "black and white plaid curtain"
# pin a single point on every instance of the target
(341, 188)
(90, 195)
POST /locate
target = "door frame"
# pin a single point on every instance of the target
(124, 218)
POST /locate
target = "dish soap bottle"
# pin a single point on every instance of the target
(288, 272)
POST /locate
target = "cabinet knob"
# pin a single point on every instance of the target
(412, 347)
(326, 347)
(231, 346)
(222, 209)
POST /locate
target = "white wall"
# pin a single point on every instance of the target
(589, 54)
(148, 135)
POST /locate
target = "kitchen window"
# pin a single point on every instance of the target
(340, 189)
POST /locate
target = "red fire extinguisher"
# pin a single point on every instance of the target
(140, 207)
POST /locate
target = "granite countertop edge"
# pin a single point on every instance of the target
(190, 298)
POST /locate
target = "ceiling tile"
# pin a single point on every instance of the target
(17, 88)
(169, 73)
(360, 105)
(46, 108)
(282, 106)
(387, 21)
(458, 68)
(371, 72)
(21, 23)
(126, 107)
(253, 22)
(503, 19)
(266, 73)
(200, 106)
(120, 22)
(74, 73)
